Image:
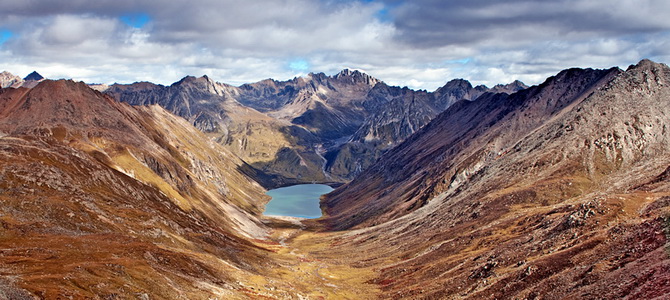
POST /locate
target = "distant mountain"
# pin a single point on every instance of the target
(322, 128)
(9, 80)
(556, 191)
(34, 76)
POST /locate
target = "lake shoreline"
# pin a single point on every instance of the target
(296, 201)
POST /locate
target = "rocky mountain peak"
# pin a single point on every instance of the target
(201, 83)
(458, 83)
(453, 85)
(346, 72)
(647, 64)
(34, 76)
(356, 77)
(649, 72)
(186, 80)
(518, 83)
(9, 80)
(453, 91)
(509, 88)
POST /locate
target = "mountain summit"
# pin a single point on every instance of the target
(33, 76)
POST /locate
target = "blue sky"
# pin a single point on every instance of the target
(421, 44)
(136, 20)
(299, 65)
(5, 35)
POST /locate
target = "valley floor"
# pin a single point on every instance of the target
(308, 270)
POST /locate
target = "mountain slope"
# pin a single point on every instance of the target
(103, 199)
(557, 191)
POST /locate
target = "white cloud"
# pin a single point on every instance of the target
(73, 31)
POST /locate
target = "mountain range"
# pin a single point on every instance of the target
(556, 191)
(314, 128)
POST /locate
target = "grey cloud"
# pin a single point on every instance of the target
(438, 23)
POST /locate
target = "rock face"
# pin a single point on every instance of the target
(323, 128)
(556, 191)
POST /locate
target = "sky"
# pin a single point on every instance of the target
(421, 44)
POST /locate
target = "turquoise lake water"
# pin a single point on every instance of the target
(297, 200)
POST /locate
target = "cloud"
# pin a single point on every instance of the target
(74, 31)
(421, 44)
(429, 23)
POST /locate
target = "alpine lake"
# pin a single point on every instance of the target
(300, 200)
